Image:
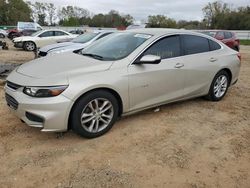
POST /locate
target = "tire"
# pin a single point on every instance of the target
(236, 48)
(219, 86)
(2, 36)
(29, 46)
(89, 121)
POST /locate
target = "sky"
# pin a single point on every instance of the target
(140, 9)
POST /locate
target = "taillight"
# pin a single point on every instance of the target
(239, 56)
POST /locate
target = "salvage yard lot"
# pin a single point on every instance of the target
(194, 144)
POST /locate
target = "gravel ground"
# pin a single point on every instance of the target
(193, 144)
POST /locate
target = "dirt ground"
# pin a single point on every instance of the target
(191, 144)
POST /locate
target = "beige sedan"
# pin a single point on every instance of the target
(121, 74)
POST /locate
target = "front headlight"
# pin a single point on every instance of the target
(44, 91)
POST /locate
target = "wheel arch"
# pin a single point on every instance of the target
(112, 91)
(229, 72)
(30, 41)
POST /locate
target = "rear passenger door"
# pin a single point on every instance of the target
(199, 63)
(60, 35)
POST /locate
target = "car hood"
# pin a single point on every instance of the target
(70, 46)
(56, 46)
(24, 38)
(65, 64)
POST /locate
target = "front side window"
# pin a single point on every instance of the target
(116, 46)
(194, 44)
(165, 48)
(47, 34)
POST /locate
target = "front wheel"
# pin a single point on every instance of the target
(29, 46)
(2, 35)
(219, 86)
(94, 114)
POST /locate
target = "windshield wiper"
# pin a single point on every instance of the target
(93, 55)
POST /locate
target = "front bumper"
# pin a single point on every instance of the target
(49, 114)
(18, 44)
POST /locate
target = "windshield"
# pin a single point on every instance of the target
(84, 37)
(36, 33)
(115, 46)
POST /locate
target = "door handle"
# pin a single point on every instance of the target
(212, 59)
(179, 65)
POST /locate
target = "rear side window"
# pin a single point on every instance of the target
(165, 48)
(194, 44)
(214, 45)
(60, 33)
(220, 34)
(227, 35)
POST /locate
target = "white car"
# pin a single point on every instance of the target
(76, 44)
(3, 33)
(41, 38)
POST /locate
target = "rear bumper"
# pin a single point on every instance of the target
(49, 114)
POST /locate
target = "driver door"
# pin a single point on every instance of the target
(46, 38)
(152, 84)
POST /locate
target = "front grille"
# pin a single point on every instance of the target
(13, 85)
(42, 54)
(11, 102)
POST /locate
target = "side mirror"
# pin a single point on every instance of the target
(149, 59)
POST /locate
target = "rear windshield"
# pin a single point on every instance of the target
(84, 37)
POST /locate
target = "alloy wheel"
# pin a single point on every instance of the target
(220, 86)
(97, 115)
(30, 46)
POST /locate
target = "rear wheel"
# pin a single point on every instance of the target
(219, 86)
(2, 35)
(94, 114)
(29, 46)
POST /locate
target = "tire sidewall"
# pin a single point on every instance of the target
(211, 91)
(28, 43)
(76, 112)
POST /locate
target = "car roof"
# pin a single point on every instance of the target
(104, 31)
(54, 30)
(161, 31)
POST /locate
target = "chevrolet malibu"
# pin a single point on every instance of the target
(121, 74)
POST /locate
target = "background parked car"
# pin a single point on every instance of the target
(26, 32)
(77, 32)
(227, 37)
(3, 33)
(76, 44)
(41, 38)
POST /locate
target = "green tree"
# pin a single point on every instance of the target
(12, 11)
(214, 14)
(161, 21)
(39, 12)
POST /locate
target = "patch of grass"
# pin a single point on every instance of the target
(245, 42)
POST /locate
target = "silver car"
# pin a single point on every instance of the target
(121, 74)
(76, 44)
